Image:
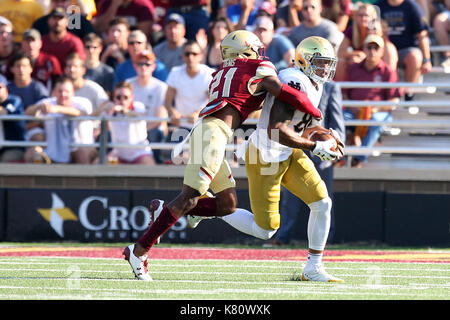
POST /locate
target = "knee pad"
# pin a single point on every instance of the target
(319, 223)
(322, 206)
(261, 233)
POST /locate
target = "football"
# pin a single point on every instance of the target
(322, 136)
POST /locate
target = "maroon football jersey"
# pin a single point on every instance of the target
(231, 85)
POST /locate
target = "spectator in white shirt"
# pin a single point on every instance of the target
(60, 131)
(75, 69)
(128, 132)
(188, 86)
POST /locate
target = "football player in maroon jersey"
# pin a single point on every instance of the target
(238, 88)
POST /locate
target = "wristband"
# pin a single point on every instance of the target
(299, 100)
(426, 60)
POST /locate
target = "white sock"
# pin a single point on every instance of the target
(244, 221)
(314, 259)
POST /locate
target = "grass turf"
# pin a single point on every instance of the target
(66, 278)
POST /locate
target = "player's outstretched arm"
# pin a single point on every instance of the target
(298, 99)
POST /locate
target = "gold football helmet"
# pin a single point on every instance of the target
(241, 44)
(316, 57)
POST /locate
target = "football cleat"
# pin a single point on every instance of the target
(319, 274)
(193, 221)
(156, 207)
(138, 264)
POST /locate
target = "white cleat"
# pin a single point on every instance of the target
(193, 221)
(156, 207)
(138, 264)
(319, 274)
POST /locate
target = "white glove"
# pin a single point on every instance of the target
(323, 150)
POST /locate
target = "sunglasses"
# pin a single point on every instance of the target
(121, 97)
(187, 54)
(144, 64)
(372, 47)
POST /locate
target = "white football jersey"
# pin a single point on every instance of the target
(271, 150)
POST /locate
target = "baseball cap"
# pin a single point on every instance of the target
(5, 21)
(264, 22)
(58, 12)
(32, 33)
(373, 38)
(147, 54)
(175, 17)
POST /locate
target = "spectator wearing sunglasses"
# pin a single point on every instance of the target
(184, 102)
(151, 92)
(137, 42)
(123, 105)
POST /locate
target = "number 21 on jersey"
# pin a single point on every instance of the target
(225, 80)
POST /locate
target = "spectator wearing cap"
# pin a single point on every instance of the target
(137, 42)
(279, 49)
(59, 41)
(78, 23)
(46, 67)
(10, 130)
(371, 69)
(151, 92)
(7, 46)
(170, 51)
(96, 70)
(194, 12)
(21, 14)
(139, 14)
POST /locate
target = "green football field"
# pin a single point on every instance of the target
(37, 272)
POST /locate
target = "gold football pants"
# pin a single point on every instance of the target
(207, 166)
(297, 174)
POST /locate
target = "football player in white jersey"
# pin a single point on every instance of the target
(275, 157)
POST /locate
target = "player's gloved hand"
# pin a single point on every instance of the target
(340, 144)
(323, 150)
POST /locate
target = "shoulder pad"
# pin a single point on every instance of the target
(265, 69)
(295, 78)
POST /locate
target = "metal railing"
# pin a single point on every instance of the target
(103, 143)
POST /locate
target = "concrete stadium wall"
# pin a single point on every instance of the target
(108, 203)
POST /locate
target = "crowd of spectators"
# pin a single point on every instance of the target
(66, 58)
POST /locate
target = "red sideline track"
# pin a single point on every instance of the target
(234, 254)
